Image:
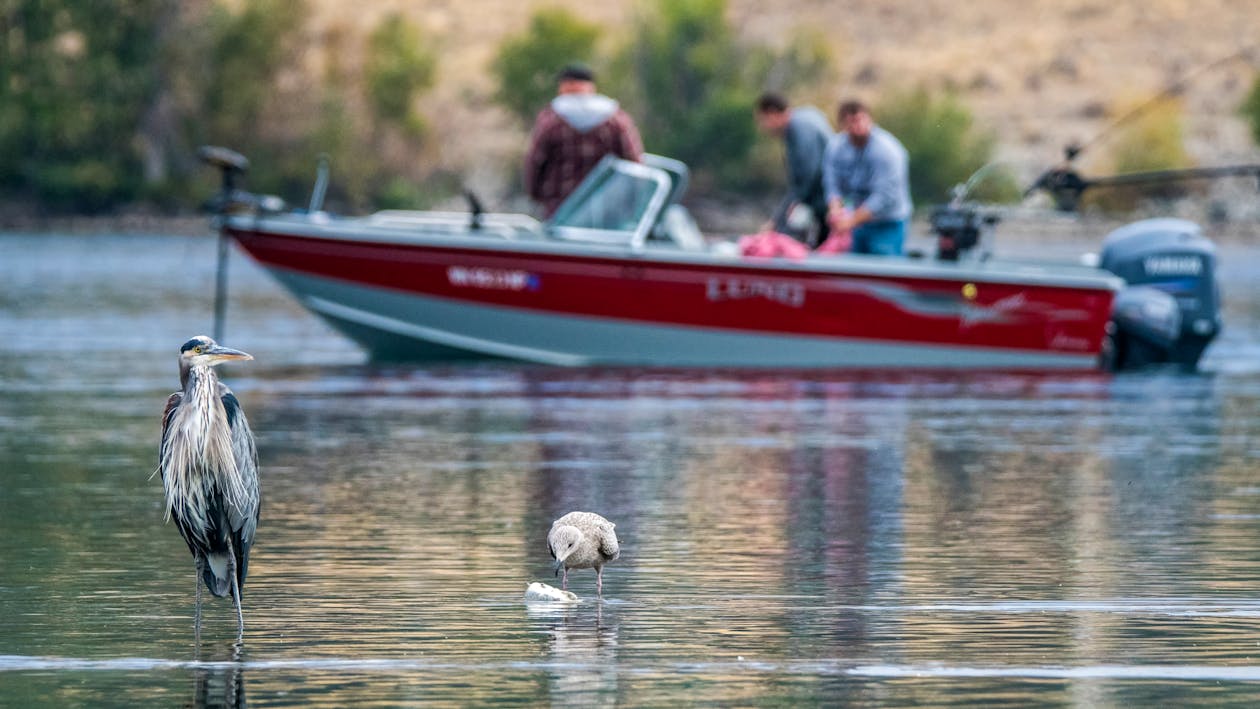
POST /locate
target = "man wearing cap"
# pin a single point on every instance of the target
(572, 134)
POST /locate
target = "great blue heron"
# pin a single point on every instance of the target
(209, 469)
(583, 540)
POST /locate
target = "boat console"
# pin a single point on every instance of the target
(962, 230)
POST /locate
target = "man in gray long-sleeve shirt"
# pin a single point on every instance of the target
(805, 134)
(866, 175)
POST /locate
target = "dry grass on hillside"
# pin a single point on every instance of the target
(1040, 73)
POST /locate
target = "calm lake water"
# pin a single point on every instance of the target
(893, 538)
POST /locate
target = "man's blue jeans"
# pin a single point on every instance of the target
(881, 238)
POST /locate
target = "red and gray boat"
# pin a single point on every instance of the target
(622, 276)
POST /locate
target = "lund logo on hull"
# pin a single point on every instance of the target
(789, 294)
(492, 278)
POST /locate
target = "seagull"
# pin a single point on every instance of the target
(582, 540)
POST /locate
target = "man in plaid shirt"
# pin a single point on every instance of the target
(572, 134)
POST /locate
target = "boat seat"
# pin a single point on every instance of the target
(677, 227)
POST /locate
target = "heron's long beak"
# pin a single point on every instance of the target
(222, 354)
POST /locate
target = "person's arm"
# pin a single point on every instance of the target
(797, 159)
(536, 155)
(630, 143)
(831, 182)
(778, 218)
(887, 177)
(804, 160)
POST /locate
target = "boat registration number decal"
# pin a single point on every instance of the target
(492, 278)
(786, 293)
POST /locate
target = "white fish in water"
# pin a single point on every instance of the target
(542, 592)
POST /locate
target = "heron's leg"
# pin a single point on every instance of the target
(201, 565)
(236, 593)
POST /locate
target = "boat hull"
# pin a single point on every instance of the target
(541, 302)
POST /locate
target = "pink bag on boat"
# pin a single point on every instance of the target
(772, 244)
(837, 241)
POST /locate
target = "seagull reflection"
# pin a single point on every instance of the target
(583, 650)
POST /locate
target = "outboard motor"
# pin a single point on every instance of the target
(1171, 309)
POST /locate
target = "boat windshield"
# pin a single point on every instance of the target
(617, 203)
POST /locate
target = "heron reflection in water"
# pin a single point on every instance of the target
(209, 468)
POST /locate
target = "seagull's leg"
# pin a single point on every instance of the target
(599, 581)
(564, 580)
(201, 565)
(236, 594)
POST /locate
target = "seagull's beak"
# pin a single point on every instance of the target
(219, 353)
(558, 566)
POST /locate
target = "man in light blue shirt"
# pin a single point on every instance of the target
(866, 177)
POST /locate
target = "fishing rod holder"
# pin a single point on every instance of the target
(1065, 185)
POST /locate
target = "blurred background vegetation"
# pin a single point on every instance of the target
(102, 105)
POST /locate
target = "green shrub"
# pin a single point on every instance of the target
(684, 68)
(248, 49)
(399, 193)
(526, 66)
(85, 186)
(76, 79)
(691, 85)
(1251, 109)
(1151, 141)
(399, 68)
(946, 147)
(366, 124)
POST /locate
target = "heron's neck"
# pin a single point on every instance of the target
(198, 380)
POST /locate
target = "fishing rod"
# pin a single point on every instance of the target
(1066, 186)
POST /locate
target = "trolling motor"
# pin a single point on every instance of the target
(231, 199)
(231, 165)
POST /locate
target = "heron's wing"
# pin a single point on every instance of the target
(172, 404)
(243, 512)
(168, 461)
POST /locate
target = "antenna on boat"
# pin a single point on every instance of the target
(321, 185)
